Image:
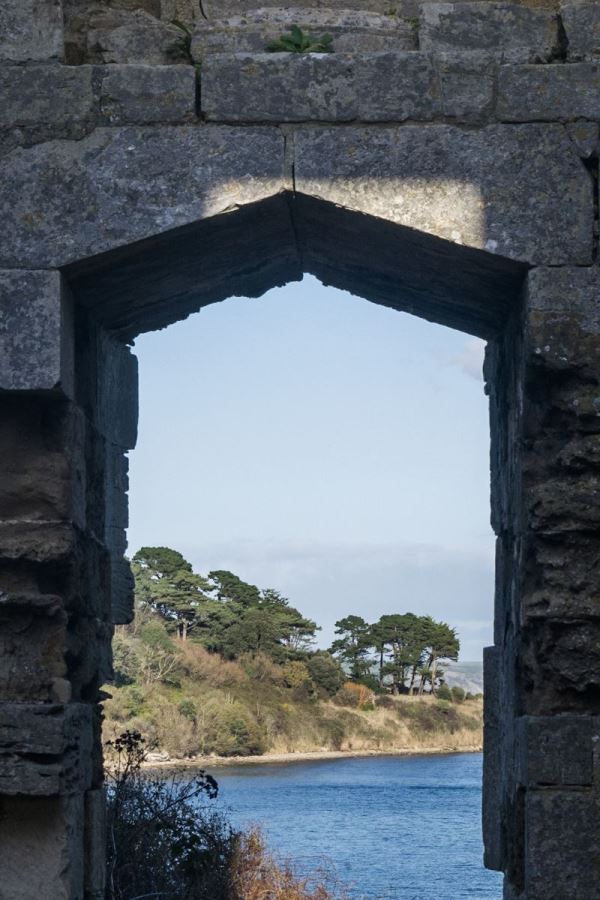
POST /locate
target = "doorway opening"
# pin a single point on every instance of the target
(314, 576)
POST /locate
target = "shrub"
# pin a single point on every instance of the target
(371, 682)
(334, 732)
(188, 709)
(203, 666)
(230, 731)
(162, 840)
(326, 672)
(386, 701)
(432, 717)
(297, 677)
(125, 703)
(260, 667)
(175, 732)
(153, 634)
(126, 661)
(256, 875)
(458, 694)
(444, 692)
(357, 696)
(295, 674)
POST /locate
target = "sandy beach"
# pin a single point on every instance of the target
(207, 762)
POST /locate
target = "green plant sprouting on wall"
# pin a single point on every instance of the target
(183, 45)
(298, 41)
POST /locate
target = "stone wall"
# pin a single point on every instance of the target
(443, 161)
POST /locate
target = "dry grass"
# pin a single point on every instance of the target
(210, 668)
(257, 875)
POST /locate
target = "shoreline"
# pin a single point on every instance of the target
(207, 762)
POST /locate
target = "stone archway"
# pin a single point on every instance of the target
(450, 186)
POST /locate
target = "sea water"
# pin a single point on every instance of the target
(395, 828)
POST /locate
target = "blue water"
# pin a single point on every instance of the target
(396, 828)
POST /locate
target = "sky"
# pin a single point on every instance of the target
(319, 444)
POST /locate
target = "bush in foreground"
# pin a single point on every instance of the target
(256, 875)
(165, 841)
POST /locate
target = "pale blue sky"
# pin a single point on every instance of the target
(319, 444)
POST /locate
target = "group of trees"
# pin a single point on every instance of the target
(400, 651)
(220, 611)
(228, 616)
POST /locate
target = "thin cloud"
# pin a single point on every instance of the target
(329, 580)
(470, 359)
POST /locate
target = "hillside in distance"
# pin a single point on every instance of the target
(467, 675)
(215, 666)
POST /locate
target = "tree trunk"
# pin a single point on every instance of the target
(412, 681)
(433, 671)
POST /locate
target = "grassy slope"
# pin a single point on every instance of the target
(204, 705)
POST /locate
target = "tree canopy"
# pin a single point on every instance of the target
(404, 650)
(401, 652)
(166, 582)
(221, 611)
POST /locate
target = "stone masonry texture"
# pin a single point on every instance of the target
(442, 161)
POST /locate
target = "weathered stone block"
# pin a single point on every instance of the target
(561, 850)
(30, 30)
(559, 344)
(117, 392)
(117, 519)
(122, 591)
(549, 92)
(152, 7)
(557, 751)
(570, 291)
(504, 31)
(95, 844)
(581, 453)
(561, 666)
(185, 10)
(36, 332)
(352, 31)
(561, 577)
(88, 587)
(117, 485)
(585, 136)
(42, 848)
(464, 186)
(563, 319)
(33, 644)
(393, 87)
(582, 26)
(144, 94)
(218, 8)
(564, 504)
(569, 404)
(37, 542)
(133, 37)
(90, 660)
(278, 87)
(467, 86)
(45, 749)
(42, 477)
(45, 95)
(120, 185)
(492, 761)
